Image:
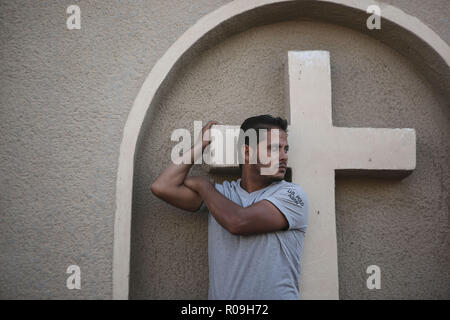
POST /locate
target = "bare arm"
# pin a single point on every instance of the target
(169, 185)
(261, 217)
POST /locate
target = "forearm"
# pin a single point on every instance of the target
(170, 184)
(174, 175)
(169, 187)
(226, 212)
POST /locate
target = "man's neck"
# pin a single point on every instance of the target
(253, 182)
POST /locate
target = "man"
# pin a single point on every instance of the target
(256, 224)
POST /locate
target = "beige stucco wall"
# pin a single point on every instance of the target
(65, 96)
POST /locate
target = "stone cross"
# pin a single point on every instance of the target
(319, 150)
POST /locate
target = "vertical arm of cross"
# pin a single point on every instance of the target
(308, 85)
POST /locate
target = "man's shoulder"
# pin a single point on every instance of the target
(290, 190)
(286, 185)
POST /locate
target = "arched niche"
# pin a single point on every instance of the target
(400, 31)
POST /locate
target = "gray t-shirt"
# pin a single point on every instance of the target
(262, 266)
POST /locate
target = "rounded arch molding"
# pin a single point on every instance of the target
(402, 32)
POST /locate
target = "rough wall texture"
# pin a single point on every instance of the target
(64, 99)
(65, 96)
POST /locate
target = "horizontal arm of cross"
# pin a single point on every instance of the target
(385, 152)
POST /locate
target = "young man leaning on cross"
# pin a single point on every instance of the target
(256, 224)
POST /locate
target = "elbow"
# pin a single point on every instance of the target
(233, 230)
(156, 189)
(238, 226)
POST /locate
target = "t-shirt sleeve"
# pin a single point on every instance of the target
(292, 202)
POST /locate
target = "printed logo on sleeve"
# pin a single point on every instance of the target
(295, 197)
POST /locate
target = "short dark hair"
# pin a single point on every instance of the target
(265, 121)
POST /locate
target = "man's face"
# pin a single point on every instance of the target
(276, 169)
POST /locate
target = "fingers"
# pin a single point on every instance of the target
(206, 134)
(210, 124)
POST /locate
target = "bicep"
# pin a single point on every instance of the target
(262, 217)
(181, 197)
